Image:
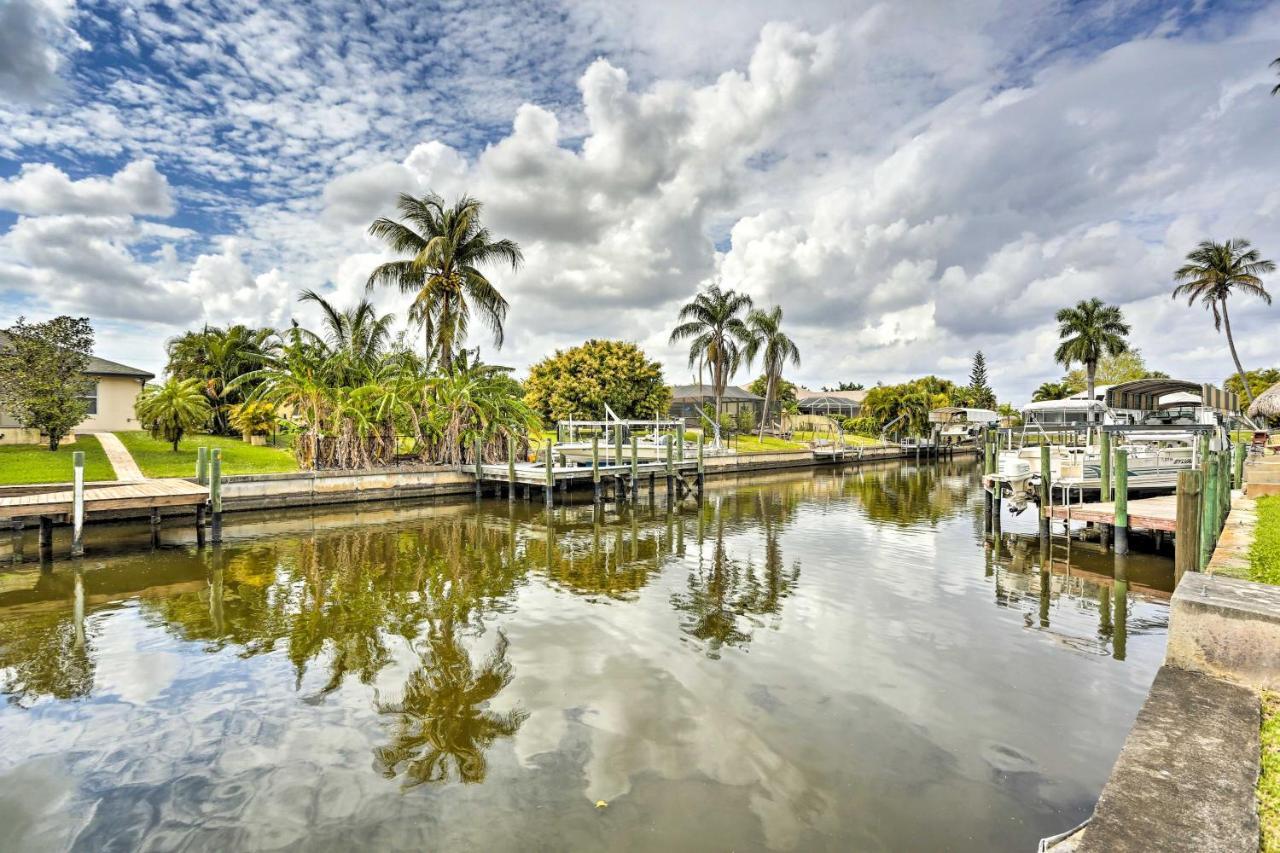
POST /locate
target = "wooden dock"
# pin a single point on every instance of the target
(76, 503)
(1159, 513)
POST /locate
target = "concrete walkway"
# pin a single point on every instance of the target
(127, 471)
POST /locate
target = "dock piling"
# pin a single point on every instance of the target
(199, 525)
(1186, 543)
(479, 470)
(549, 487)
(595, 466)
(46, 533)
(215, 495)
(155, 527)
(1045, 476)
(701, 469)
(1238, 465)
(77, 504)
(1105, 487)
(1208, 509)
(511, 469)
(1122, 501)
(17, 526)
(202, 466)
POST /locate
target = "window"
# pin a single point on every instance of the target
(92, 399)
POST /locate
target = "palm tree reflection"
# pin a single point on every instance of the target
(441, 722)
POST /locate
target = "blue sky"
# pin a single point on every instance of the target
(910, 181)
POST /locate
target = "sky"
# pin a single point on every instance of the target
(910, 181)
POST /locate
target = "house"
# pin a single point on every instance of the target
(115, 388)
(687, 400)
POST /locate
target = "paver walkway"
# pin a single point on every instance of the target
(127, 471)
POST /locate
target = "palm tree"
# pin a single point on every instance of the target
(1209, 275)
(357, 337)
(1051, 391)
(171, 409)
(218, 357)
(775, 349)
(713, 324)
(447, 245)
(1089, 331)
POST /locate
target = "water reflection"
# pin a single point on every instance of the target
(691, 663)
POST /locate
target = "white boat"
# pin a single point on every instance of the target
(960, 425)
(1157, 422)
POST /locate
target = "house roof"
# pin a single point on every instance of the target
(104, 367)
(705, 392)
(803, 394)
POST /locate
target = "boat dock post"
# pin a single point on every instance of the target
(987, 468)
(77, 504)
(1186, 543)
(479, 473)
(671, 475)
(635, 467)
(1208, 509)
(595, 467)
(511, 469)
(549, 488)
(1122, 502)
(1045, 495)
(215, 495)
(701, 470)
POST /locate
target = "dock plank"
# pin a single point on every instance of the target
(1158, 513)
(143, 495)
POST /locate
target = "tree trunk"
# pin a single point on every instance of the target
(768, 391)
(1244, 380)
(1090, 370)
(54, 441)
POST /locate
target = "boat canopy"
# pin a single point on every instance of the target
(947, 415)
(1146, 394)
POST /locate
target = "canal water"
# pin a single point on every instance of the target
(822, 660)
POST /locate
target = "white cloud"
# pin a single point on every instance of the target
(41, 188)
(34, 35)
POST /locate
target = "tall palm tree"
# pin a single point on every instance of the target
(775, 348)
(356, 337)
(1089, 331)
(713, 323)
(1212, 271)
(447, 246)
(172, 409)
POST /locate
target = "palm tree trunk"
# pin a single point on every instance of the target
(1090, 370)
(768, 392)
(1244, 380)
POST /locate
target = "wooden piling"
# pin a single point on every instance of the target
(479, 451)
(511, 469)
(1122, 501)
(215, 495)
(550, 478)
(77, 504)
(635, 468)
(155, 527)
(1224, 487)
(1208, 512)
(595, 466)
(701, 468)
(617, 445)
(670, 471)
(1105, 488)
(1186, 543)
(1045, 485)
(202, 466)
(199, 525)
(1238, 465)
(46, 533)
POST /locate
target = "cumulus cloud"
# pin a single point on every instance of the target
(41, 188)
(34, 36)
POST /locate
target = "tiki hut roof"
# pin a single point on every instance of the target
(1267, 404)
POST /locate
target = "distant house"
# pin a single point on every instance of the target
(115, 388)
(686, 400)
(839, 404)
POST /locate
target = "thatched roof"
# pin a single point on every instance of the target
(1267, 404)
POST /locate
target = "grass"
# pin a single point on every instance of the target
(1264, 554)
(35, 463)
(752, 444)
(1269, 778)
(157, 459)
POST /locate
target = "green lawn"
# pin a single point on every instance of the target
(31, 463)
(157, 458)
(1269, 777)
(752, 444)
(1264, 554)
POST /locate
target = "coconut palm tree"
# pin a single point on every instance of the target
(447, 246)
(356, 337)
(713, 323)
(174, 408)
(1212, 272)
(1089, 331)
(775, 349)
(1051, 391)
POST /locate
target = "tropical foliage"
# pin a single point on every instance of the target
(1052, 391)
(170, 410)
(904, 409)
(446, 247)
(714, 325)
(42, 380)
(1259, 381)
(784, 391)
(360, 398)
(1088, 332)
(255, 417)
(580, 381)
(218, 357)
(1212, 273)
(1125, 366)
(775, 349)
